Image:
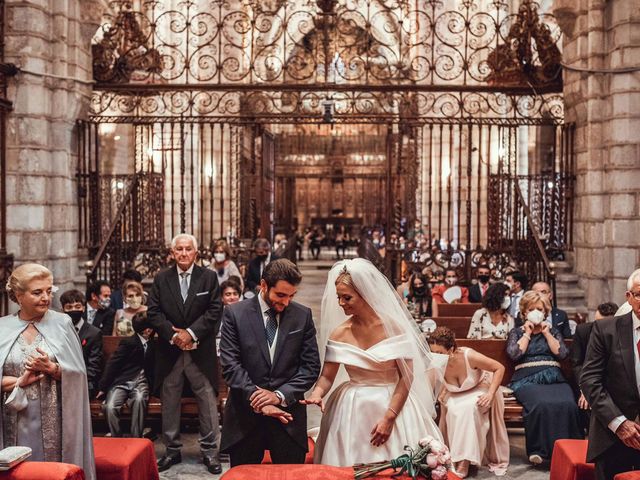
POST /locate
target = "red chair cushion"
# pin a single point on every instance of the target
(43, 471)
(125, 459)
(628, 476)
(307, 459)
(301, 472)
(569, 461)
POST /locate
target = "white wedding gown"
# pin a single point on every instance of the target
(356, 406)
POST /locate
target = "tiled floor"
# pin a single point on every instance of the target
(310, 294)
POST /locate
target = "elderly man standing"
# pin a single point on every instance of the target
(185, 310)
(610, 382)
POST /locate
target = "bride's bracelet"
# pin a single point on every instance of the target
(396, 413)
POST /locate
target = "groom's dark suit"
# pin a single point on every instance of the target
(610, 385)
(246, 365)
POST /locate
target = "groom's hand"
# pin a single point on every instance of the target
(261, 398)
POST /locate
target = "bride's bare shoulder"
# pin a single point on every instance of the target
(341, 331)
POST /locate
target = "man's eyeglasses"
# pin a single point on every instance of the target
(635, 295)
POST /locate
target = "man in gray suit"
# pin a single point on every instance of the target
(185, 309)
(269, 359)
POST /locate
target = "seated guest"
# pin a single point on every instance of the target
(550, 410)
(450, 280)
(134, 302)
(128, 376)
(472, 407)
(419, 298)
(99, 311)
(478, 290)
(45, 401)
(581, 340)
(557, 318)
(262, 249)
(517, 283)
(492, 321)
(231, 291)
(117, 300)
(222, 263)
(73, 304)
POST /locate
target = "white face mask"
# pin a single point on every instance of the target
(506, 303)
(535, 316)
(451, 281)
(134, 302)
(219, 257)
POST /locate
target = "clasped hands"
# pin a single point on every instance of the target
(266, 402)
(40, 364)
(182, 339)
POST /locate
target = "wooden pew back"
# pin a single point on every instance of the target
(459, 325)
(458, 309)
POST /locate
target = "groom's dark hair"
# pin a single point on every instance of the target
(281, 269)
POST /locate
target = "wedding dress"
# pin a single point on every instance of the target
(355, 406)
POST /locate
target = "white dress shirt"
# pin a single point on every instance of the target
(616, 422)
(264, 308)
(91, 313)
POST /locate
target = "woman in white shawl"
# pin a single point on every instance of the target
(45, 401)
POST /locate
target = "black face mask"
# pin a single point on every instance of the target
(75, 315)
(483, 278)
(419, 291)
(262, 257)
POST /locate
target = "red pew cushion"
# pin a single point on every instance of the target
(569, 461)
(301, 472)
(125, 459)
(628, 476)
(43, 471)
(307, 459)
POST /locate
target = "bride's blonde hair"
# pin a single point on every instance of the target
(345, 278)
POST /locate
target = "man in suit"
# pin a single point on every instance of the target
(184, 309)
(73, 304)
(128, 376)
(263, 255)
(269, 359)
(99, 311)
(610, 381)
(478, 290)
(557, 318)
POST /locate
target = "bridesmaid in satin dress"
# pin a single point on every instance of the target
(472, 407)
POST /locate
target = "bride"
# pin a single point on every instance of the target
(387, 402)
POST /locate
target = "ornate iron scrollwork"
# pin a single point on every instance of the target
(529, 55)
(123, 50)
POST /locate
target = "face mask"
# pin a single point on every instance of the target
(134, 302)
(262, 257)
(75, 315)
(104, 303)
(219, 257)
(419, 291)
(483, 278)
(506, 303)
(451, 280)
(535, 316)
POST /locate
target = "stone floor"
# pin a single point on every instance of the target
(310, 294)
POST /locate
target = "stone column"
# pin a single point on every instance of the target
(602, 35)
(50, 41)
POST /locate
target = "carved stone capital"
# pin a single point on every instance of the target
(566, 14)
(91, 15)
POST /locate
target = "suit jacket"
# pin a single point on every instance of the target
(201, 313)
(91, 343)
(104, 320)
(475, 294)
(579, 348)
(127, 361)
(608, 380)
(253, 274)
(559, 320)
(246, 364)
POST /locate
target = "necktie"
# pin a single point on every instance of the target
(271, 326)
(484, 289)
(638, 347)
(184, 286)
(144, 347)
(92, 316)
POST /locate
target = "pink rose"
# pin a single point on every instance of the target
(443, 458)
(426, 441)
(432, 460)
(439, 473)
(437, 447)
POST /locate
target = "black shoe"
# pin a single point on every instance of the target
(212, 464)
(169, 460)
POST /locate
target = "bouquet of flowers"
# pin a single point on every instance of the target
(431, 460)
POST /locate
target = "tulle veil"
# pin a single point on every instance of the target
(421, 369)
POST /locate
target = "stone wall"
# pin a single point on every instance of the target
(51, 39)
(606, 109)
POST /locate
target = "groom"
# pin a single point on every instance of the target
(269, 359)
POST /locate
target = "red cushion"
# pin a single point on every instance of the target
(569, 461)
(300, 472)
(43, 471)
(307, 459)
(628, 476)
(125, 459)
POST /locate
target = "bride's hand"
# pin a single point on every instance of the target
(314, 401)
(381, 431)
(277, 413)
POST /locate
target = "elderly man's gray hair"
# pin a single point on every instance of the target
(633, 278)
(261, 243)
(187, 236)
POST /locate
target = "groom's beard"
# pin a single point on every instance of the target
(267, 300)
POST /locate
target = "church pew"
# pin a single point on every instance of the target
(189, 407)
(459, 325)
(458, 309)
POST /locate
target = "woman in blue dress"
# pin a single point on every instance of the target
(550, 409)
